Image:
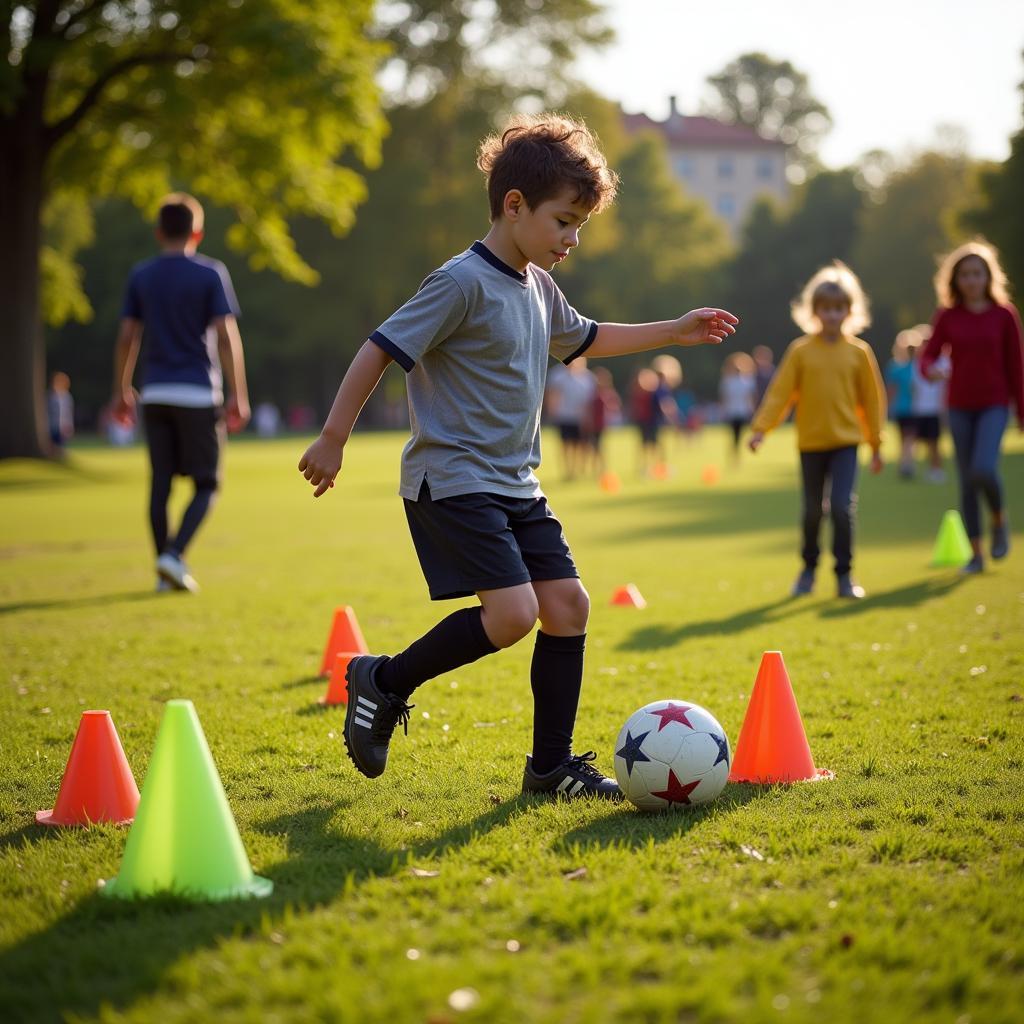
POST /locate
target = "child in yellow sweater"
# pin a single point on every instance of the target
(833, 379)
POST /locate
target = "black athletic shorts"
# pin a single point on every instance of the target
(183, 441)
(570, 432)
(475, 542)
(907, 425)
(928, 428)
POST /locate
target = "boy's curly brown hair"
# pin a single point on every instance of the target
(542, 154)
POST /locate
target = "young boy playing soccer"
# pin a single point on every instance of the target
(475, 341)
(186, 305)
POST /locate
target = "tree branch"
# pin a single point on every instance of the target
(56, 131)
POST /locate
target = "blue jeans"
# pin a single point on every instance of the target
(839, 465)
(977, 434)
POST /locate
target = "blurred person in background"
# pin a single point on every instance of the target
(60, 411)
(979, 330)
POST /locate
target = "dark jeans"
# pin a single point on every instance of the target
(839, 466)
(977, 434)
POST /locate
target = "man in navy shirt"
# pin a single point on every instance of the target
(186, 306)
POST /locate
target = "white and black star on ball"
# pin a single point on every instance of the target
(631, 752)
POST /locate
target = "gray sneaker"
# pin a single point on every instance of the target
(804, 584)
(1000, 540)
(845, 587)
(975, 566)
(371, 716)
(171, 568)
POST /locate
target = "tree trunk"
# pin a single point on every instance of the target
(23, 431)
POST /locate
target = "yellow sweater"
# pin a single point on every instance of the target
(837, 389)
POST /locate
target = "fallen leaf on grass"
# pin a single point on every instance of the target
(495, 799)
(423, 873)
(751, 852)
(577, 873)
(1016, 698)
(464, 999)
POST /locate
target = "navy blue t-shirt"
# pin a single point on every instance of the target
(177, 296)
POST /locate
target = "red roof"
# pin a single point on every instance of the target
(681, 130)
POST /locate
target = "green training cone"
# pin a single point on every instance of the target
(184, 839)
(952, 548)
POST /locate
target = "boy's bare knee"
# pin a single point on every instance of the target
(565, 610)
(508, 622)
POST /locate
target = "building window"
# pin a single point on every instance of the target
(726, 205)
(686, 167)
(726, 167)
(765, 168)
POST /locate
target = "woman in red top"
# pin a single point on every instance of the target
(978, 327)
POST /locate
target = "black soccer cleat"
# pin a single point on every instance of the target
(575, 777)
(371, 716)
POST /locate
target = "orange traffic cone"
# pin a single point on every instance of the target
(610, 482)
(98, 785)
(709, 475)
(773, 745)
(660, 471)
(629, 597)
(337, 689)
(345, 636)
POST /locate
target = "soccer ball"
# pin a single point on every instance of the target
(671, 753)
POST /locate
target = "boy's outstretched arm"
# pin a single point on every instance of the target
(322, 461)
(707, 326)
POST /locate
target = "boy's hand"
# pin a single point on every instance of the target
(756, 440)
(321, 463)
(876, 462)
(123, 407)
(706, 326)
(236, 414)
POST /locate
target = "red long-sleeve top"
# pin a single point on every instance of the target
(987, 356)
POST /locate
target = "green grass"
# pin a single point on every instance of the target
(893, 893)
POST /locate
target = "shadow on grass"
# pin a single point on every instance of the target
(908, 596)
(661, 635)
(111, 953)
(67, 603)
(630, 829)
(294, 684)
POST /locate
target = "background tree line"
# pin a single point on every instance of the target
(450, 76)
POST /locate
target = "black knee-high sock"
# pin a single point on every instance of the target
(454, 641)
(556, 677)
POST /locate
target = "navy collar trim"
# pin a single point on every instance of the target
(488, 257)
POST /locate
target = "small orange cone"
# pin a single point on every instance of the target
(610, 482)
(337, 689)
(629, 597)
(98, 786)
(345, 636)
(661, 471)
(773, 745)
(709, 475)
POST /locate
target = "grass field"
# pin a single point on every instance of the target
(894, 893)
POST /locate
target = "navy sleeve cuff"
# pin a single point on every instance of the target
(392, 350)
(591, 335)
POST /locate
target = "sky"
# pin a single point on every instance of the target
(889, 71)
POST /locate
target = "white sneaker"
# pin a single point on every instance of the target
(174, 570)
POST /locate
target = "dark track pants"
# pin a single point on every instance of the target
(977, 435)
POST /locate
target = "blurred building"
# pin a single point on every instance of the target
(727, 165)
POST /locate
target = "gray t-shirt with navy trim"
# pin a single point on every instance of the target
(475, 342)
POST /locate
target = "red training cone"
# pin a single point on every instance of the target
(98, 786)
(345, 636)
(337, 688)
(773, 745)
(628, 597)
